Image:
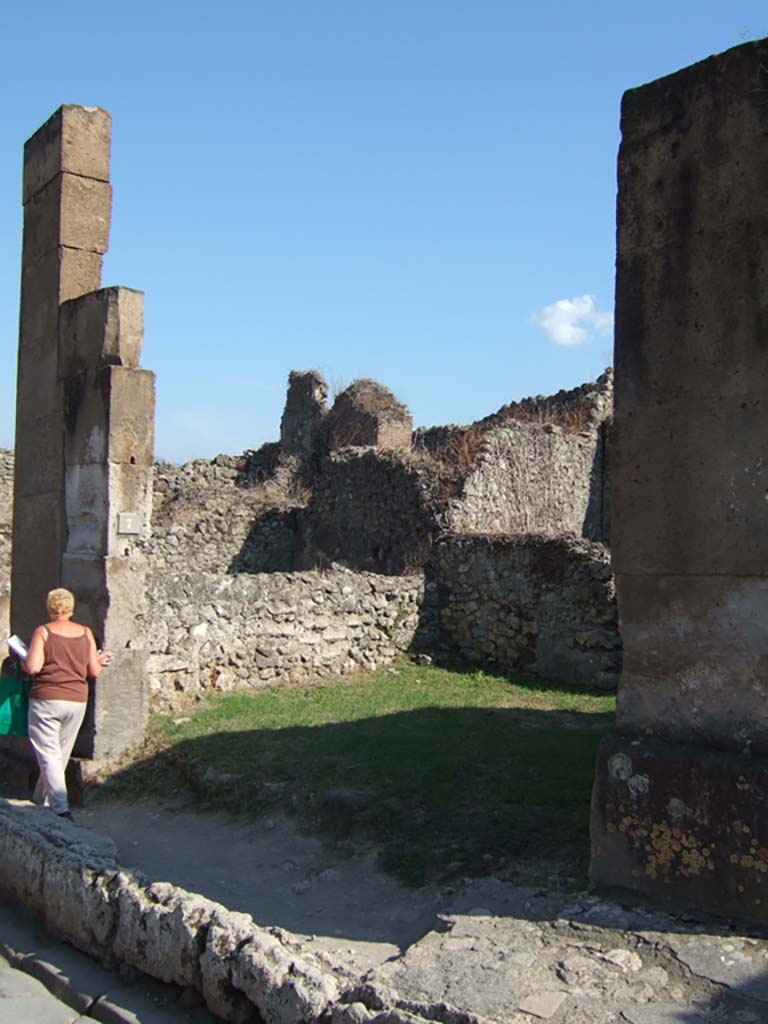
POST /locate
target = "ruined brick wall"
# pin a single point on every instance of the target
(210, 631)
(233, 513)
(530, 604)
(373, 510)
(535, 466)
(579, 408)
(529, 478)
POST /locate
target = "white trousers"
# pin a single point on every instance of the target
(53, 727)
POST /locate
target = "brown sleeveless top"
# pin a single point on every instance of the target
(65, 669)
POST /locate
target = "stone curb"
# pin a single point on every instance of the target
(82, 895)
(60, 987)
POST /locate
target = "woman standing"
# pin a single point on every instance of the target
(61, 656)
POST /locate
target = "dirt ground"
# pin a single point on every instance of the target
(276, 874)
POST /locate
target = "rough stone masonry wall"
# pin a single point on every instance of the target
(228, 514)
(530, 478)
(376, 511)
(212, 631)
(533, 604)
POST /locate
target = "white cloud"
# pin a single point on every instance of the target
(573, 321)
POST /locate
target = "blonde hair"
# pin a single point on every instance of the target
(60, 602)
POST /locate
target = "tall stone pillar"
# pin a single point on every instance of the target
(108, 404)
(67, 206)
(680, 805)
(85, 422)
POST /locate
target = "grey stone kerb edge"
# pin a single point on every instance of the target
(245, 973)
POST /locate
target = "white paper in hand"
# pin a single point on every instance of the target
(18, 646)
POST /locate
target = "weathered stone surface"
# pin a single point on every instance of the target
(532, 604)
(209, 631)
(689, 512)
(305, 410)
(75, 140)
(368, 414)
(693, 472)
(227, 934)
(685, 824)
(104, 327)
(70, 211)
(110, 416)
(527, 479)
(285, 987)
(688, 640)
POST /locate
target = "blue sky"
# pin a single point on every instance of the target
(421, 192)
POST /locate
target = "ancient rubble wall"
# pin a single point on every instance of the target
(529, 478)
(532, 604)
(373, 510)
(233, 513)
(209, 631)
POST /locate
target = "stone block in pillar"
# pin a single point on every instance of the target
(684, 823)
(693, 474)
(75, 140)
(30, 589)
(96, 523)
(118, 709)
(38, 476)
(106, 415)
(70, 212)
(695, 651)
(111, 593)
(680, 806)
(101, 328)
(59, 275)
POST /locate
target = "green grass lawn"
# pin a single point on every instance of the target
(465, 772)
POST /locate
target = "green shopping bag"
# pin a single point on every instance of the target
(14, 703)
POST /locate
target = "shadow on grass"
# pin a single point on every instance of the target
(441, 790)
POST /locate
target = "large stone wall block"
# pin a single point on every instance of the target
(131, 395)
(705, 335)
(70, 211)
(74, 139)
(121, 705)
(682, 824)
(126, 578)
(39, 394)
(695, 656)
(85, 575)
(40, 471)
(104, 327)
(110, 593)
(123, 398)
(130, 506)
(716, 107)
(59, 275)
(85, 488)
(38, 539)
(689, 487)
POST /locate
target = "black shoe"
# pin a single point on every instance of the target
(66, 815)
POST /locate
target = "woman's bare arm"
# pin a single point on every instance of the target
(97, 660)
(36, 656)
